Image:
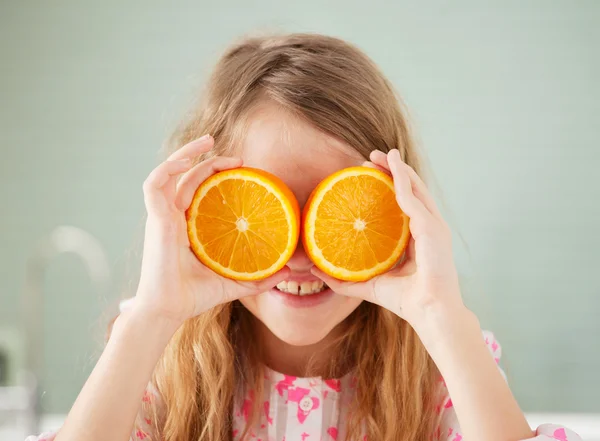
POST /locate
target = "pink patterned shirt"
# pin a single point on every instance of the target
(313, 409)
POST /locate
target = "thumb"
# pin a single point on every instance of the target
(361, 290)
(227, 290)
(253, 288)
(271, 281)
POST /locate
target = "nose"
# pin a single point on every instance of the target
(300, 262)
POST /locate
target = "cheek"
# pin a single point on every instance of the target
(250, 304)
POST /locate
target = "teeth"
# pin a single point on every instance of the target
(292, 287)
(305, 288)
(302, 289)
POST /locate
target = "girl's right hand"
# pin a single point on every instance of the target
(174, 284)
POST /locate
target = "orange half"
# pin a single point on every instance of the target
(243, 223)
(353, 226)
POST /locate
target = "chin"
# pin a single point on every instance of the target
(300, 322)
(298, 335)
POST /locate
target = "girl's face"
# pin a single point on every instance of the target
(302, 157)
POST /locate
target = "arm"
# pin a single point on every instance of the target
(481, 398)
(451, 430)
(174, 286)
(111, 397)
(424, 291)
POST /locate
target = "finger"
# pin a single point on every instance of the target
(376, 167)
(163, 175)
(381, 290)
(272, 281)
(407, 264)
(420, 190)
(379, 158)
(193, 148)
(361, 290)
(413, 207)
(410, 252)
(253, 288)
(189, 183)
(159, 177)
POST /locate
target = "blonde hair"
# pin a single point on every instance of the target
(212, 358)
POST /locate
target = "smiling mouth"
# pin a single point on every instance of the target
(306, 288)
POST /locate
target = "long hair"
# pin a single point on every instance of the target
(340, 91)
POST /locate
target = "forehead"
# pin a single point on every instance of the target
(294, 150)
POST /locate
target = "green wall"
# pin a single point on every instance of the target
(504, 95)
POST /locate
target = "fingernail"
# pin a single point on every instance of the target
(204, 138)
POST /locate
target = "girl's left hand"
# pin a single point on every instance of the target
(425, 283)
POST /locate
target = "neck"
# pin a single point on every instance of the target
(295, 360)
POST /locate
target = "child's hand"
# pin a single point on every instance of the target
(174, 284)
(426, 280)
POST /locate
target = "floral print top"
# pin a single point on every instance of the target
(314, 409)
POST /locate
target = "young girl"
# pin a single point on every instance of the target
(195, 356)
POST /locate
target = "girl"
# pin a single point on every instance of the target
(195, 356)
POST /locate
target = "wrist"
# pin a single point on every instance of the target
(146, 308)
(155, 325)
(443, 326)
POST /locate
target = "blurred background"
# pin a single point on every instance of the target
(505, 97)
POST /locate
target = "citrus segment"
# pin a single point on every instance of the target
(243, 223)
(353, 226)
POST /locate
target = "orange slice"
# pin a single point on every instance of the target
(353, 226)
(243, 223)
